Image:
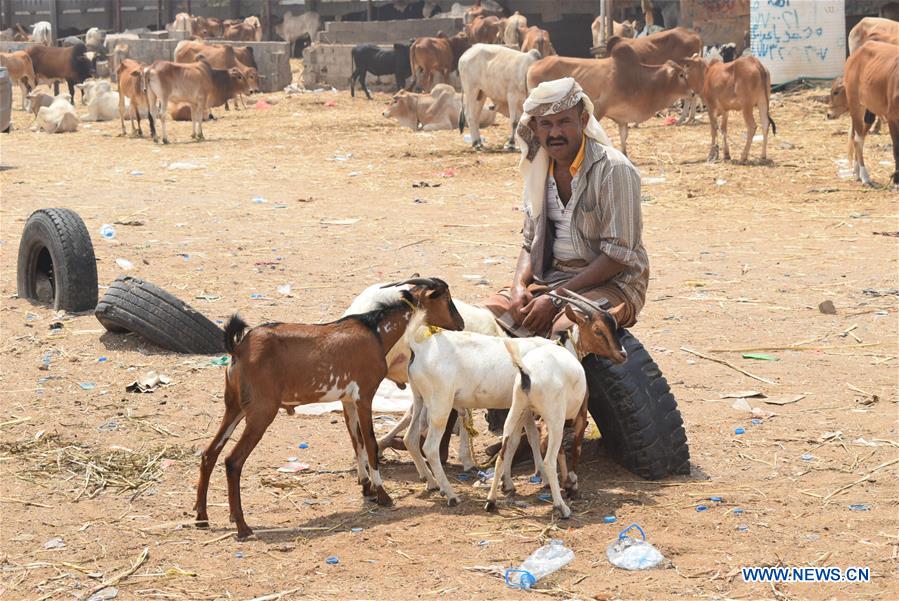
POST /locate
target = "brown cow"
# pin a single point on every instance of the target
(535, 38)
(175, 82)
(486, 30)
(21, 70)
(226, 84)
(428, 56)
(873, 28)
(221, 56)
(241, 32)
(477, 12)
(625, 29)
(870, 87)
(441, 109)
(740, 85)
(53, 64)
(621, 87)
(132, 85)
(676, 44)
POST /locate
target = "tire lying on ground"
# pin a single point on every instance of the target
(636, 413)
(56, 264)
(133, 305)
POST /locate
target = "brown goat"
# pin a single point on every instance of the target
(285, 365)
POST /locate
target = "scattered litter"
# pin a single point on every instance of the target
(742, 405)
(701, 508)
(293, 467)
(652, 181)
(149, 382)
(224, 360)
(353, 174)
(670, 120)
(330, 103)
(55, 543)
(238, 554)
(535, 480)
(736, 510)
(107, 231)
(743, 394)
(420, 201)
(755, 421)
(860, 507)
(104, 594)
(866, 443)
(257, 296)
(342, 157)
(283, 289)
(720, 181)
(87, 385)
(716, 499)
(545, 497)
(110, 426)
(463, 477)
(742, 527)
(102, 359)
(544, 561)
(740, 431)
(332, 560)
(184, 166)
(827, 308)
(492, 261)
(807, 457)
(784, 400)
(760, 356)
(486, 475)
(273, 100)
(303, 445)
(262, 105)
(137, 172)
(357, 529)
(451, 172)
(609, 519)
(293, 88)
(339, 221)
(423, 184)
(472, 277)
(259, 200)
(633, 554)
(124, 264)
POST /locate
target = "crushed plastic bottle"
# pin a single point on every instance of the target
(633, 554)
(544, 561)
(107, 231)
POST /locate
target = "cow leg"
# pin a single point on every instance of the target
(56, 88)
(858, 139)
(514, 115)
(122, 112)
(724, 135)
(364, 85)
(201, 115)
(713, 147)
(622, 131)
(152, 125)
(473, 107)
(894, 135)
(749, 119)
(227, 108)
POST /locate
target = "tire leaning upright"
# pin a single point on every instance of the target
(56, 264)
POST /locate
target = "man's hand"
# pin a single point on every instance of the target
(539, 314)
(520, 297)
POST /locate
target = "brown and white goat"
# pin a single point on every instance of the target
(285, 365)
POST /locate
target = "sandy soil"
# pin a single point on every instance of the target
(741, 257)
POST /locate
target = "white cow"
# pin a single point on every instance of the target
(431, 112)
(499, 73)
(42, 33)
(512, 34)
(104, 106)
(91, 88)
(296, 26)
(59, 117)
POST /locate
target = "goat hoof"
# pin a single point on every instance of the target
(563, 511)
(490, 507)
(384, 499)
(432, 486)
(165, 140)
(452, 501)
(509, 490)
(242, 536)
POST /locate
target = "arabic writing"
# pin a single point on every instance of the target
(782, 33)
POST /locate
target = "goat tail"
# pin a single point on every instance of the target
(516, 361)
(773, 126)
(234, 331)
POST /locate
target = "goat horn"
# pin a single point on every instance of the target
(418, 282)
(585, 307)
(585, 300)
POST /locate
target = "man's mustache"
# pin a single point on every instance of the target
(551, 140)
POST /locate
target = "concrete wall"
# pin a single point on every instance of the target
(386, 32)
(272, 58)
(13, 46)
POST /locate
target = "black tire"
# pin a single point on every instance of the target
(637, 414)
(56, 264)
(133, 305)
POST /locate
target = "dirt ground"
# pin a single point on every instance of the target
(741, 257)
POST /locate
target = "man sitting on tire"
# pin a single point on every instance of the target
(583, 226)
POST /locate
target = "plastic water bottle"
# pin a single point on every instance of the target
(632, 553)
(107, 231)
(542, 562)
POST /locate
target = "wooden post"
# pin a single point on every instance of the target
(610, 29)
(54, 21)
(117, 24)
(266, 17)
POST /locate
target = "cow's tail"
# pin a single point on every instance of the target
(413, 66)
(462, 115)
(766, 82)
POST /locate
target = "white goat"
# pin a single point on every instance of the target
(465, 370)
(477, 319)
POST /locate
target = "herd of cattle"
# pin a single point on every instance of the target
(494, 61)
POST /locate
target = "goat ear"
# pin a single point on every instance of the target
(617, 312)
(575, 315)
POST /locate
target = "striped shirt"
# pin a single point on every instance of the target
(605, 218)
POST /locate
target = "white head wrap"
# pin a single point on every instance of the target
(548, 98)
